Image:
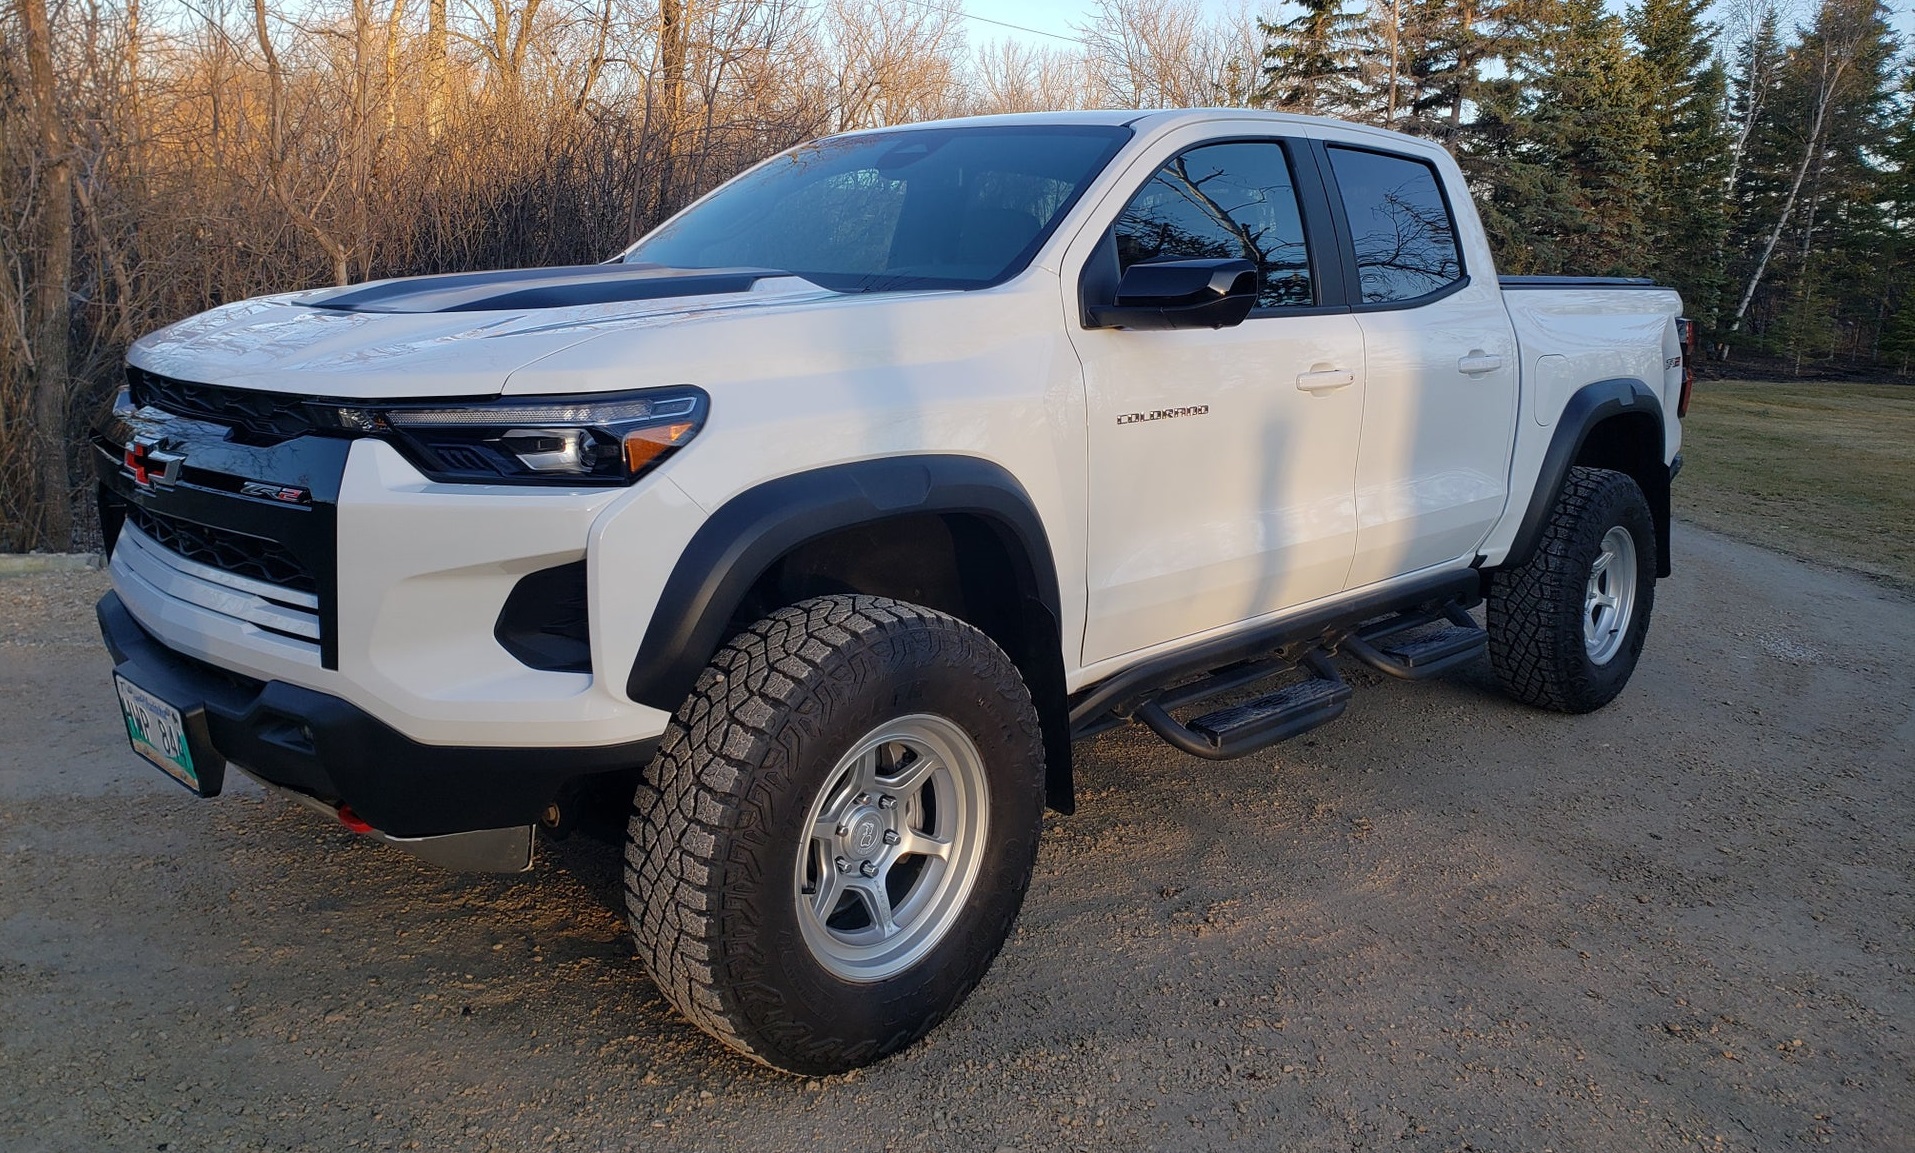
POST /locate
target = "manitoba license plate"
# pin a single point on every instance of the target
(158, 732)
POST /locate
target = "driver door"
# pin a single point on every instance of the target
(1222, 462)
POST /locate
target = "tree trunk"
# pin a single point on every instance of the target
(1467, 52)
(1824, 98)
(1396, 39)
(48, 315)
(276, 152)
(671, 92)
(435, 67)
(600, 35)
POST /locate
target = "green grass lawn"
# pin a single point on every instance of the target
(1823, 471)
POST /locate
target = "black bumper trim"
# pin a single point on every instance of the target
(333, 750)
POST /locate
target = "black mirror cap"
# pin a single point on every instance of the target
(1181, 294)
(1166, 283)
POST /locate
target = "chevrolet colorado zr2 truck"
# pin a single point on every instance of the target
(817, 525)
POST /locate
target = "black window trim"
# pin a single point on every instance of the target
(1314, 206)
(1346, 238)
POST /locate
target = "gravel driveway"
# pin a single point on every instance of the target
(1444, 922)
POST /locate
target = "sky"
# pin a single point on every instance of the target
(1037, 17)
(1053, 16)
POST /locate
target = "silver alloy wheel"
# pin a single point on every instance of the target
(893, 844)
(1610, 599)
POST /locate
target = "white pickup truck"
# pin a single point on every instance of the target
(815, 528)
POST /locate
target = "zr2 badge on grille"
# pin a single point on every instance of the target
(284, 493)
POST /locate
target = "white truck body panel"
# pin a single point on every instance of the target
(1163, 532)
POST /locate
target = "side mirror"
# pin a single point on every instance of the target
(1181, 294)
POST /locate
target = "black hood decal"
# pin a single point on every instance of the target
(525, 288)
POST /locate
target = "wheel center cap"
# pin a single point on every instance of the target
(866, 837)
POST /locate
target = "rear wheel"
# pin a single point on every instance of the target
(1566, 627)
(838, 831)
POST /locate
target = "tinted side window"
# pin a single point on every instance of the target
(1224, 201)
(1405, 238)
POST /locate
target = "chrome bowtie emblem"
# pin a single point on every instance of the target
(151, 465)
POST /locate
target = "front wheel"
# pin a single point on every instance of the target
(1567, 626)
(837, 832)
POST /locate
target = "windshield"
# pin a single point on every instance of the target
(917, 208)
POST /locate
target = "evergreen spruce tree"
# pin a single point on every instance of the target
(1845, 248)
(1565, 147)
(1808, 218)
(1311, 62)
(1463, 43)
(1399, 49)
(1895, 297)
(1685, 212)
(1758, 178)
(1752, 85)
(1392, 41)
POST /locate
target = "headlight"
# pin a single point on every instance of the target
(610, 439)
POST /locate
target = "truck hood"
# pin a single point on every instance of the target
(456, 335)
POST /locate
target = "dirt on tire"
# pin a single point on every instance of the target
(1444, 921)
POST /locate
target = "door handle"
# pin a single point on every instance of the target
(1478, 362)
(1323, 380)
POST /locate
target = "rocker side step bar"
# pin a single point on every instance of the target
(1152, 691)
(1242, 729)
(1424, 655)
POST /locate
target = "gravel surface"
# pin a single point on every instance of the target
(1444, 922)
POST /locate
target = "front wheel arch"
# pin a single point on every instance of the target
(1005, 582)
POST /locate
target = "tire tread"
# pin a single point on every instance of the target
(691, 883)
(1537, 657)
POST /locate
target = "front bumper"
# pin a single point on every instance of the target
(385, 590)
(326, 748)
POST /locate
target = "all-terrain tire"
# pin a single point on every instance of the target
(733, 804)
(1537, 611)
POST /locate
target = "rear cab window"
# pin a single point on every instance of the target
(1401, 226)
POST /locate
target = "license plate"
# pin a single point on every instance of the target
(158, 732)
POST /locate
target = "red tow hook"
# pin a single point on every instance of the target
(353, 820)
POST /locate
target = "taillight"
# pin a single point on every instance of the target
(1686, 335)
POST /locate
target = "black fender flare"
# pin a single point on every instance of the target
(750, 532)
(1588, 407)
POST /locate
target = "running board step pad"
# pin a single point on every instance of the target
(1420, 656)
(1447, 645)
(1275, 717)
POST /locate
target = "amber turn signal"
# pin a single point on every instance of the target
(645, 445)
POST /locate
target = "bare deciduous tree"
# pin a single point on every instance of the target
(1846, 28)
(46, 308)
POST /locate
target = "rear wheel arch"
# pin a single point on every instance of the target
(953, 533)
(1613, 424)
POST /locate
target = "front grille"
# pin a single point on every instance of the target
(224, 549)
(255, 417)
